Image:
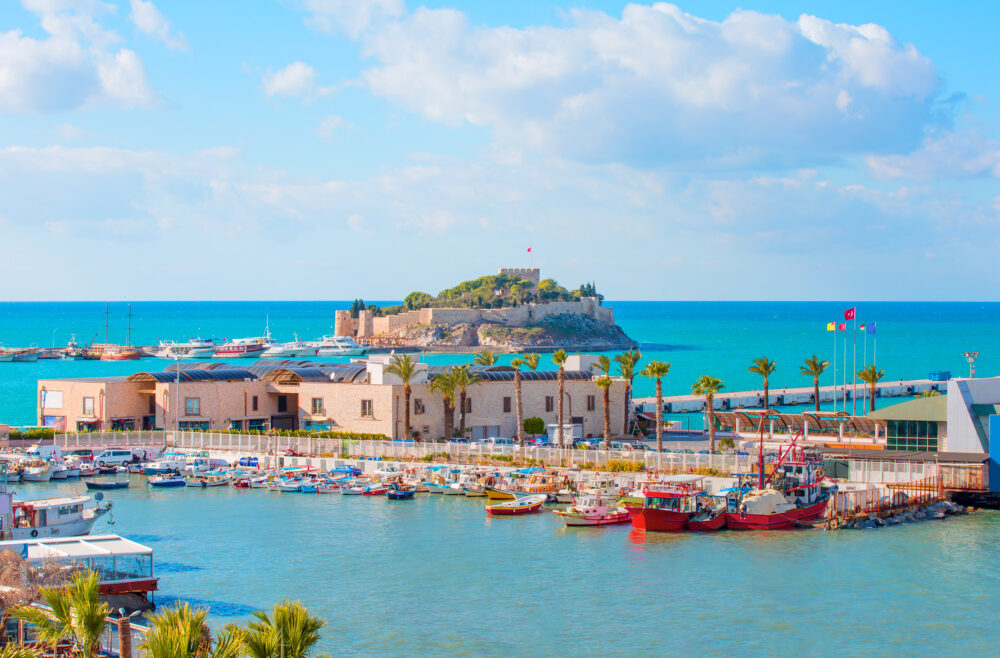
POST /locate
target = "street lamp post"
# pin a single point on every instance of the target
(177, 400)
(971, 358)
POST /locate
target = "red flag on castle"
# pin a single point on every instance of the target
(529, 250)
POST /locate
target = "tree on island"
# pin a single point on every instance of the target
(658, 370)
(871, 376)
(814, 368)
(404, 367)
(708, 386)
(559, 357)
(765, 369)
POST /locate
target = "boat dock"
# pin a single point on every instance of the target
(791, 396)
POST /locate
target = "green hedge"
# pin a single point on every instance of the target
(40, 434)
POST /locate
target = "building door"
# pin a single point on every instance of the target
(284, 422)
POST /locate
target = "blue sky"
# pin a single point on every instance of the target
(329, 149)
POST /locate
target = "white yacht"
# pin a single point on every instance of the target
(338, 346)
(50, 517)
(196, 348)
(289, 350)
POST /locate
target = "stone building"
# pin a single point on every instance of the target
(353, 397)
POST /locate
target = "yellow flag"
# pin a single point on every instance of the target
(831, 326)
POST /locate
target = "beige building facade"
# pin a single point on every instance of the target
(323, 396)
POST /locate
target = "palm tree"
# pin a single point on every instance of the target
(445, 385)
(405, 368)
(559, 357)
(765, 369)
(604, 383)
(19, 651)
(77, 614)
(516, 365)
(871, 376)
(708, 386)
(464, 378)
(604, 362)
(485, 358)
(814, 367)
(531, 360)
(290, 632)
(627, 363)
(658, 370)
(182, 632)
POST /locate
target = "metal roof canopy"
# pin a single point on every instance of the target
(934, 409)
(85, 546)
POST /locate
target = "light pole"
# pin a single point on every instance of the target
(971, 358)
(177, 400)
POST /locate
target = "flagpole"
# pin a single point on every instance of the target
(854, 369)
(864, 360)
(834, 367)
(845, 366)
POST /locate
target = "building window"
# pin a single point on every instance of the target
(366, 409)
(253, 403)
(282, 404)
(194, 425)
(258, 424)
(920, 435)
(192, 406)
(317, 406)
(468, 405)
(152, 404)
(550, 403)
(506, 405)
(418, 407)
(88, 406)
(591, 402)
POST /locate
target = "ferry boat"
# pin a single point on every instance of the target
(51, 517)
(593, 510)
(242, 348)
(111, 352)
(337, 346)
(196, 348)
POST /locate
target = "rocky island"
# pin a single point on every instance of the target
(513, 310)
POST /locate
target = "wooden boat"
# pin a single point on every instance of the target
(328, 488)
(498, 494)
(375, 490)
(97, 484)
(523, 505)
(669, 505)
(400, 492)
(549, 481)
(592, 510)
(167, 481)
(209, 481)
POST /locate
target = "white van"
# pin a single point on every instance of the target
(44, 453)
(114, 457)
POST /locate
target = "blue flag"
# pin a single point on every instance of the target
(870, 328)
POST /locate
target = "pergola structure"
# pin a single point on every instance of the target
(820, 424)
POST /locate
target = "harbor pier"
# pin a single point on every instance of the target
(791, 396)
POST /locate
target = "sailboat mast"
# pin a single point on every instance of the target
(107, 311)
(128, 335)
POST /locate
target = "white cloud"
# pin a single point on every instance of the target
(953, 154)
(331, 126)
(352, 16)
(150, 21)
(658, 85)
(298, 79)
(75, 66)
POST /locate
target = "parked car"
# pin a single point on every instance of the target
(83, 454)
(496, 441)
(114, 457)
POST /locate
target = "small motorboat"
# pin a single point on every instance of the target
(107, 470)
(400, 492)
(375, 490)
(498, 494)
(328, 488)
(97, 484)
(166, 481)
(523, 505)
(87, 471)
(206, 480)
(593, 510)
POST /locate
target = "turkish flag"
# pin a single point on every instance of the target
(529, 248)
(842, 326)
(849, 313)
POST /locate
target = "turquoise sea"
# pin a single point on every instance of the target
(717, 338)
(434, 576)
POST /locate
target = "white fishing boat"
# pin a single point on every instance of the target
(337, 346)
(208, 480)
(169, 462)
(296, 348)
(36, 470)
(52, 517)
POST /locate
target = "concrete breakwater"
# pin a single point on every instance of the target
(791, 396)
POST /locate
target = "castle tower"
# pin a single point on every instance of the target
(527, 273)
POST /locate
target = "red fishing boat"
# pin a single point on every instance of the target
(669, 505)
(708, 519)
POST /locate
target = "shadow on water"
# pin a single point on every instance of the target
(148, 538)
(175, 567)
(662, 347)
(215, 608)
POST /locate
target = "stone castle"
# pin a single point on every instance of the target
(367, 325)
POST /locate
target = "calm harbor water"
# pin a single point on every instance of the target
(434, 576)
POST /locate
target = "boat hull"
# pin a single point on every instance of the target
(393, 494)
(658, 520)
(72, 529)
(581, 520)
(781, 521)
(107, 485)
(498, 494)
(717, 522)
(498, 510)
